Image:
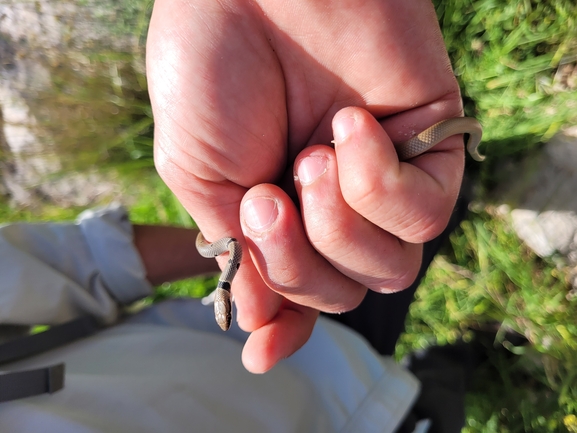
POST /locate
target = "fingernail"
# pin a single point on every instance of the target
(342, 127)
(260, 213)
(311, 168)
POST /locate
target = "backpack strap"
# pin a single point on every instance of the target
(27, 383)
(49, 379)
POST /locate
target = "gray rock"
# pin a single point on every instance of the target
(542, 191)
(548, 232)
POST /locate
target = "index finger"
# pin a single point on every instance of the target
(412, 200)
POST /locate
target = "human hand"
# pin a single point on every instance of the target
(242, 90)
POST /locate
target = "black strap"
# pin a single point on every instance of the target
(27, 383)
(52, 338)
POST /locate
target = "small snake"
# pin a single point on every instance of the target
(405, 150)
(222, 296)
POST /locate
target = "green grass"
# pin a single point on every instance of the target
(47, 212)
(508, 56)
(486, 280)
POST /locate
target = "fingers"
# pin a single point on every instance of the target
(411, 200)
(256, 303)
(363, 214)
(355, 246)
(366, 213)
(291, 267)
(285, 258)
(285, 334)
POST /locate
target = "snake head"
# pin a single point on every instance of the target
(223, 308)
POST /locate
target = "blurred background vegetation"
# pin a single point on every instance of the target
(516, 64)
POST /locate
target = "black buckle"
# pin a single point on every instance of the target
(54, 378)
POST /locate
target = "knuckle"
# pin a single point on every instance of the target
(283, 279)
(404, 278)
(407, 279)
(427, 225)
(349, 302)
(430, 229)
(326, 237)
(170, 168)
(163, 163)
(363, 194)
(311, 291)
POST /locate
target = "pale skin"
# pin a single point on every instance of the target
(248, 95)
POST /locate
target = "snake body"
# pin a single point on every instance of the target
(222, 296)
(440, 131)
(405, 150)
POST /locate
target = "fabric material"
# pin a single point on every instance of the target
(170, 368)
(147, 376)
(55, 272)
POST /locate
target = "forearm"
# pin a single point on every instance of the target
(169, 253)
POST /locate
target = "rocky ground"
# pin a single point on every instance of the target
(34, 38)
(540, 193)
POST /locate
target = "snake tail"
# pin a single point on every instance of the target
(439, 132)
